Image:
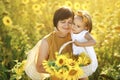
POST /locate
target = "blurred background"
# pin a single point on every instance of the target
(24, 22)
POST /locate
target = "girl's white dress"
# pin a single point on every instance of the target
(91, 68)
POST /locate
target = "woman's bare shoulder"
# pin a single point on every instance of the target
(44, 42)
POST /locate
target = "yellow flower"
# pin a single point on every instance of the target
(33, 0)
(80, 61)
(22, 67)
(84, 59)
(66, 68)
(38, 12)
(71, 63)
(77, 6)
(19, 71)
(43, 3)
(25, 1)
(97, 14)
(36, 7)
(61, 73)
(117, 4)
(74, 73)
(48, 68)
(61, 60)
(84, 6)
(68, 3)
(117, 28)
(23, 13)
(7, 21)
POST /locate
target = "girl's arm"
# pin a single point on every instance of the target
(90, 42)
(42, 55)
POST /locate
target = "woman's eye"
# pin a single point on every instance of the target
(70, 22)
(62, 21)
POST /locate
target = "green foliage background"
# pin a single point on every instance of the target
(29, 20)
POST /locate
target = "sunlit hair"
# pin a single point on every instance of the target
(61, 14)
(84, 15)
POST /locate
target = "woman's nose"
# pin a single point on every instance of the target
(73, 26)
(68, 25)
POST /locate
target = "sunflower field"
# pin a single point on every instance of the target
(24, 22)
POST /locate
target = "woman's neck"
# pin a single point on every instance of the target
(60, 34)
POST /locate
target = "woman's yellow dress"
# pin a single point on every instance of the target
(54, 43)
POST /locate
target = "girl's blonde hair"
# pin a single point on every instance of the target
(84, 15)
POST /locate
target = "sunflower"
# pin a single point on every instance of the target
(84, 6)
(117, 4)
(61, 60)
(23, 64)
(48, 65)
(25, 1)
(80, 61)
(38, 12)
(23, 13)
(66, 68)
(61, 73)
(68, 3)
(36, 7)
(18, 71)
(74, 73)
(117, 28)
(84, 59)
(34, 0)
(7, 21)
(43, 3)
(76, 5)
(71, 63)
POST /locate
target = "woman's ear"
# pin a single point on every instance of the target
(55, 28)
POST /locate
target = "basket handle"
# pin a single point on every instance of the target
(64, 45)
(67, 43)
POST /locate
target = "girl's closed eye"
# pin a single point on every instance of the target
(73, 23)
(78, 26)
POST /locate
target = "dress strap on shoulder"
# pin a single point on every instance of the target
(84, 32)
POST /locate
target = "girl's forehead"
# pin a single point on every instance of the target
(77, 18)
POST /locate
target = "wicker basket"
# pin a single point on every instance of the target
(91, 68)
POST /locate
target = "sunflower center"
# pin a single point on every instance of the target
(7, 21)
(61, 72)
(72, 72)
(60, 61)
(72, 64)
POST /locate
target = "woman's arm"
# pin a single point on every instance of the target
(90, 42)
(42, 55)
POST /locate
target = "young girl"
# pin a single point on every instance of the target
(83, 41)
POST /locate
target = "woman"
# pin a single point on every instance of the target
(62, 20)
